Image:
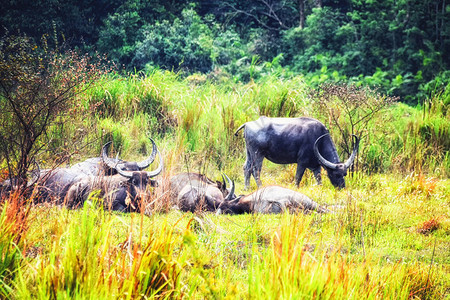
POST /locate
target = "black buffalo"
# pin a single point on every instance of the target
(122, 191)
(304, 141)
(193, 191)
(271, 199)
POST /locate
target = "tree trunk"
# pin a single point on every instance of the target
(301, 10)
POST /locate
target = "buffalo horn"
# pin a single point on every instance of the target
(112, 163)
(146, 163)
(150, 174)
(324, 162)
(161, 164)
(224, 182)
(349, 162)
(231, 192)
(127, 174)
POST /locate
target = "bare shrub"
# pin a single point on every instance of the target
(37, 86)
(349, 110)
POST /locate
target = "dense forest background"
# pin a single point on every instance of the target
(400, 46)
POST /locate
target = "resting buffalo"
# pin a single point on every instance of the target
(120, 192)
(304, 141)
(13, 183)
(271, 199)
(192, 191)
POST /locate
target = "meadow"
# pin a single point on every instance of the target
(389, 236)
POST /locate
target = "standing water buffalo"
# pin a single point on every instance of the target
(121, 191)
(271, 199)
(304, 141)
(192, 191)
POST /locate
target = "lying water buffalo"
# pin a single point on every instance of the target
(304, 141)
(120, 192)
(271, 199)
(192, 191)
(12, 184)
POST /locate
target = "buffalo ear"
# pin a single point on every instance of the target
(220, 185)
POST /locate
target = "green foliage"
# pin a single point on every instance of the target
(10, 255)
(122, 30)
(372, 44)
(189, 43)
(399, 46)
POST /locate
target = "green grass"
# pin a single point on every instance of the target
(389, 237)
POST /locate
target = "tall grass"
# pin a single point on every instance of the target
(83, 259)
(293, 269)
(15, 211)
(389, 238)
(200, 117)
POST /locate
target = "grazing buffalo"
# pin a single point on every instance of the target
(121, 191)
(271, 199)
(192, 191)
(304, 141)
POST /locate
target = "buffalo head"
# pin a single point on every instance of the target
(192, 191)
(131, 190)
(336, 171)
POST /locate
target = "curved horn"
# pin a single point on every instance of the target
(161, 163)
(110, 162)
(349, 162)
(146, 163)
(229, 197)
(127, 174)
(224, 182)
(324, 162)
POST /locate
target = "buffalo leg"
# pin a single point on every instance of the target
(76, 195)
(299, 174)
(256, 168)
(247, 170)
(317, 175)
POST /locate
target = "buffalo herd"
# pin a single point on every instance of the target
(122, 185)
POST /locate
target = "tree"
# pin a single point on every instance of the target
(36, 87)
(350, 110)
